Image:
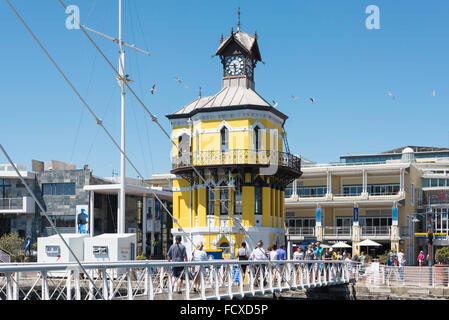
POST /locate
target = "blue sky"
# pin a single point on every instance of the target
(318, 49)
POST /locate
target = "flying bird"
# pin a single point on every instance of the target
(153, 89)
(390, 94)
(312, 99)
(178, 80)
(275, 104)
(294, 98)
(433, 93)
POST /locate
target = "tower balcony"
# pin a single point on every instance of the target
(237, 157)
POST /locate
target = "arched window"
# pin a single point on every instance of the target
(256, 139)
(224, 139)
(210, 195)
(180, 146)
(257, 200)
(225, 247)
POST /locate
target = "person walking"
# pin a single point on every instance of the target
(259, 254)
(177, 253)
(242, 254)
(198, 255)
(298, 255)
(421, 258)
(273, 256)
(401, 262)
(309, 255)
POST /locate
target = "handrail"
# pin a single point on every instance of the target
(212, 279)
(236, 156)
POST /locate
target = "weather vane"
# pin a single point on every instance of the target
(238, 19)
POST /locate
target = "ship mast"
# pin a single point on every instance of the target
(122, 79)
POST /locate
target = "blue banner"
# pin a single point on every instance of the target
(394, 215)
(318, 217)
(355, 216)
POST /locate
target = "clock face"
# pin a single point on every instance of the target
(234, 65)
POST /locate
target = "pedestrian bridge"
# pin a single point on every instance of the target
(153, 280)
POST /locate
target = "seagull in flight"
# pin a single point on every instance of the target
(178, 80)
(275, 104)
(153, 89)
(433, 93)
(294, 98)
(390, 94)
(312, 99)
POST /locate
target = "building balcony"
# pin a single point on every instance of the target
(301, 231)
(242, 157)
(17, 205)
(369, 232)
(343, 233)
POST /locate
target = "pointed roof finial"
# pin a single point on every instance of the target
(232, 30)
(238, 19)
(221, 39)
(255, 34)
(200, 92)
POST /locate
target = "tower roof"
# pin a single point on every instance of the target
(228, 98)
(244, 40)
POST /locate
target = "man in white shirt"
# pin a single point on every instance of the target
(401, 262)
(258, 254)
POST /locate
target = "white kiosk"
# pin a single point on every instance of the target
(111, 247)
(53, 250)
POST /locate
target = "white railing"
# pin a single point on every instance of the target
(338, 231)
(407, 276)
(154, 280)
(301, 231)
(370, 231)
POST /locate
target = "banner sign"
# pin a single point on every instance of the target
(318, 217)
(355, 216)
(394, 215)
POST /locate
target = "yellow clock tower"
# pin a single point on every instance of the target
(229, 160)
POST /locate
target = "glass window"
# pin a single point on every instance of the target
(425, 183)
(256, 139)
(257, 200)
(69, 188)
(441, 182)
(210, 201)
(224, 199)
(224, 139)
(238, 200)
(47, 188)
(433, 182)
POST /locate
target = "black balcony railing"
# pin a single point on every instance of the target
(237, 157)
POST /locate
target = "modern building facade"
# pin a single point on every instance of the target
(383, 197)
(229, 159)
(63, 190)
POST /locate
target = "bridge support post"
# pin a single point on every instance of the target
(9, 290)
(104, 275)
(130, 284)
(68, 284)
(76, 275)
(45, 293)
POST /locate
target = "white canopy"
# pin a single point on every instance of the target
(323, 245)
(341, 245)
(369, 243)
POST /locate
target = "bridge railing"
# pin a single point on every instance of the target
(157, 280)
(406, 276)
